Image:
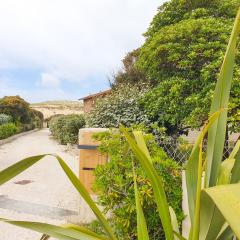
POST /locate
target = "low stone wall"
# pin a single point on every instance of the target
(7, 140)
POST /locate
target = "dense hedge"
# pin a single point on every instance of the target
(4, 118)
(7, 130)
(7, 127)
(65, 128)
(114, 184)
(120, 107)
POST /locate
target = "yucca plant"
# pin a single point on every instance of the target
(212, 184)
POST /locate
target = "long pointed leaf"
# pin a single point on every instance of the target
(235, 150)
(225, 171)
(15, 169)
(141, 143)
(211, 218)
(83, 230)
(142, 231)
(84, 193)
(236, 169)
(52, 230)
(174, 222)
(217, 132)
(227, 166)
(227, 199)
(192, 168)
(157, 185)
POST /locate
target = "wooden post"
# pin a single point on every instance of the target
(90, 157)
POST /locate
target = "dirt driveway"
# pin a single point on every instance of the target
(41, 193)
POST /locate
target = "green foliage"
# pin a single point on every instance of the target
(129, 74)
(4, 118)
(192, 48)
(16, 107)
(36, 118)
(175, 11)
(65, 128)
(120, 107)
(7, 130)
(114, 183)
(162, 105)
(182, 60)
(22, 115)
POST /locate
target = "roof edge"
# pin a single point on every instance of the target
(96, 94)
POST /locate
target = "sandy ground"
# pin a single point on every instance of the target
(45, 195)
(49, 111)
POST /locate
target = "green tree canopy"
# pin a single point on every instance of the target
(181, 57)
(16, 107)
(129, 74)
(175, 11)
(20, 112)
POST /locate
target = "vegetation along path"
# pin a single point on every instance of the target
(43, 192)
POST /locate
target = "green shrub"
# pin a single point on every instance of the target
(114, 184)
(4, 118)
(7, 130)
(120, 107)
(16, 107)
(65, 128)
(25, 127)
(19, 112)
(36, 118)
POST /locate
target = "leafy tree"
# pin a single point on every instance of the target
(21, 113)
(129, 74)
(17, 107)
(181, 57)
(175, 11)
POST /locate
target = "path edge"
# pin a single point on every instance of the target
(10, 139)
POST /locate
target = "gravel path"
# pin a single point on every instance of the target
(43, 192)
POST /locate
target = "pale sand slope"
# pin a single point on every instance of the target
(50, 196)
(52, 108)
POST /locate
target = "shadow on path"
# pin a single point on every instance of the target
(34, 208)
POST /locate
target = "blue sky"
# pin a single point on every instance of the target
(66, 49)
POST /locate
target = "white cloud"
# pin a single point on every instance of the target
(72, 37)
(50, 81)
(71, 40)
